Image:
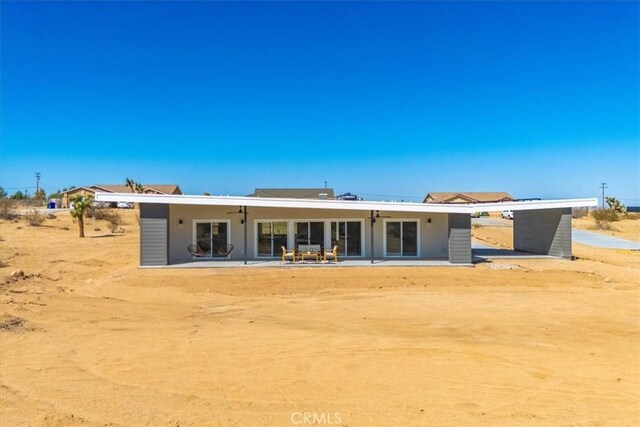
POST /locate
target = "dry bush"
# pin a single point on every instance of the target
(476, 225)
(8, 209)
(34, 218)
(633, 216)
(604, 218)
(51, 216)
(114, 219)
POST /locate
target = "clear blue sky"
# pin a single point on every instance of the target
(380, 99)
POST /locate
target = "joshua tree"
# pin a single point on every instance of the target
(615, 205)
(80, 204)
(135, 187)
(41, 194)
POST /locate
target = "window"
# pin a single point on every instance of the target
(401, 238)
(348, 236)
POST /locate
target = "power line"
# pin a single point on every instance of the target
(603, 185)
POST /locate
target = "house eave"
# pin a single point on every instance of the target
(263, 202)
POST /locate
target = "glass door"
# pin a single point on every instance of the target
(271, 237)
(310, 233)
(347, 235)
(212, 237)
(401, 238)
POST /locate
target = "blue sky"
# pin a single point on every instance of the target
(386, 100)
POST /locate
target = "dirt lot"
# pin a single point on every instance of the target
(628, 228)
(88, 339)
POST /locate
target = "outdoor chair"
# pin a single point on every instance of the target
(197, 252)
(331, 255)
(290, 255)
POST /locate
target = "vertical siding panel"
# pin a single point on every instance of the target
(546, 232)
(460, 238)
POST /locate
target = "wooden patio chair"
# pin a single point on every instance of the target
(331, 255)
(291, 255)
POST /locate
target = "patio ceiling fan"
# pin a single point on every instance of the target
(381, 216)
(239, 211)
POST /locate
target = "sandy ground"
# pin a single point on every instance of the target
(88, 339)
(625, 228)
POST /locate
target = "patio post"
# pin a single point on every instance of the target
(373, 221)
(244, 222)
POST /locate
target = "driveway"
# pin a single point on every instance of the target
(601, 241)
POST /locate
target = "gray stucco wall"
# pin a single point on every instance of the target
(154, 239)
(546, 232)
(460, 238)
(432, 228)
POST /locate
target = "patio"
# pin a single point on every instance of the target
(309, 264)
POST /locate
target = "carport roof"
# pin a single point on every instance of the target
(263, 202)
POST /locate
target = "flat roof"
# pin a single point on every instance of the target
(263, 202)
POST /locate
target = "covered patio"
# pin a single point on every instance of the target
(342, 264)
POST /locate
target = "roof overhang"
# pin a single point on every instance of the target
(262, 202)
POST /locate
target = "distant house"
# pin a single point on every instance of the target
(477, 197)
(294, 193)
(115, 188)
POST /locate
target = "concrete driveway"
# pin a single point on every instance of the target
(601, 241)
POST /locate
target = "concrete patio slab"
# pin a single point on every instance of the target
(341, 264)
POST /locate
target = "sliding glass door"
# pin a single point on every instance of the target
(310, 233)
(211, 237)
(401, 238)
(347, 235)
(271, 237)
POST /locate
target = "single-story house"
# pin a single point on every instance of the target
(472, 197)
(258, 227)
(115, 188)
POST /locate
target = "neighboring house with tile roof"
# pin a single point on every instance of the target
(469, 197)
(116, 188)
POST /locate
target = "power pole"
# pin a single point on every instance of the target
(38, 182)
(603, 185)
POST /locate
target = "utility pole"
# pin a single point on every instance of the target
(38, 182)
(603, 185)
(325, 184)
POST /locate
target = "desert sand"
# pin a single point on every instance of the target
(625, 228)
(89, 339)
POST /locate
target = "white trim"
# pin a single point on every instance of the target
(384, 237)
(178, 199)
(209, 221)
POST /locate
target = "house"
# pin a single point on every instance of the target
(258, 227)
(294, 193)
(115, 188)
(473, 197)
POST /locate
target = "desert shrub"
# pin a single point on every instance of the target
(34, 218)
(51, 216)
(96, 229)
(604, 218)
(114, 219)
(476, 225)
(8, 209)
(633, 216)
